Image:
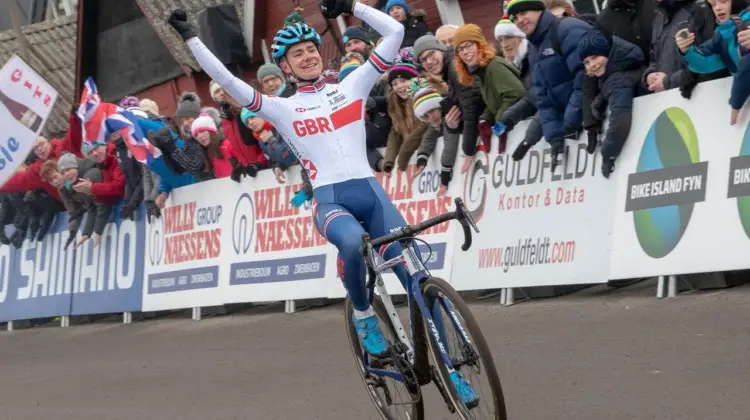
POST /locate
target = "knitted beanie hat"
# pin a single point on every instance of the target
(515, 7)
(356, 32)
(427, 43)
(507, 28)
(246, 114)
(89, 146)
(392, 3)
(468, 32)
(269, 69)
(593, 43)
(188, 106)
(425, 96)
(349, 63)
(203, 123)
(406, 71)
(149, 105)
(213, 87)
(67, 161)
(129, 102)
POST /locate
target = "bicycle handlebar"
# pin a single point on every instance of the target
(461, 214)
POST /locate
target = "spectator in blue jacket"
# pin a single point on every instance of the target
(556, 68)
(723, 51)
(170, 174)
(611, 62)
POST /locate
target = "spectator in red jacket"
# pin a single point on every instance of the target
(112, 189)
(29, 179)
(249, 155)
(217, 152)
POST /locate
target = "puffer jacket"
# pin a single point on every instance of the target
(665, 57)
(618, 87)
(112, 187)
(630, 20)
(469, 100)
(557, 78)
(414, 27)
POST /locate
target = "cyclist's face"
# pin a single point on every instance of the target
(304, 61)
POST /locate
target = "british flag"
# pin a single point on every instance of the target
(101, 119)
(127, 124)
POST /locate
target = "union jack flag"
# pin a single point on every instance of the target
(127, 124)
(100, 119)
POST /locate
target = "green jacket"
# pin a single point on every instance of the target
(501, 87)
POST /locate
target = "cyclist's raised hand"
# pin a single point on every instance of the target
(178, 20)
(331, 9)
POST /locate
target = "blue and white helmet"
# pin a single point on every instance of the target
(292, 35)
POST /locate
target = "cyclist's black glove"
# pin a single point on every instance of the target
(178, 20)
(331, 9)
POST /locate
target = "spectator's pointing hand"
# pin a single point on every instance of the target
(178, 20)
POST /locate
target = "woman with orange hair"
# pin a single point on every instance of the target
(500, 81)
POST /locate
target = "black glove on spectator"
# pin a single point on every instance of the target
(251, 170)
(152, 210)
(571, 133)
(71, 238)
(331, 9)
(422, 160)
(33, 224)
(45, 223)
(163, 140)
(686, 90)
(127, 211)
(593, 137)
(226, 111)
(4, 238)
(17, 238)
(237, 172)
(521, 150)
(178, 20)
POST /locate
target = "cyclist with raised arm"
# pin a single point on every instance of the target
(325, 128)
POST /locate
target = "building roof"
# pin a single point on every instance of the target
(157, 12)
(56, 40)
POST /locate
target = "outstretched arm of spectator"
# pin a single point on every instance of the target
(653, 48)
(523, 109)
(590, 91)
(569, 41)
(187, 154)
(88, 227)
(75, 217)
(74, 137)
(705, 58)
(374, 158)
(112, 188)
(620, 101)
(150, 184)
(101, 217)
(552, 121)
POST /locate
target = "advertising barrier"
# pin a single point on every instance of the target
(536, 228)
(679, 188)
(682, 187)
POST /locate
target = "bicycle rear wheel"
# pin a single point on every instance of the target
(393, 399)
(470, 355)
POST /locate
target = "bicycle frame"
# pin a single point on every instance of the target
(417, 273)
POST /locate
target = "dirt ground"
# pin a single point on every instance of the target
(594, 355)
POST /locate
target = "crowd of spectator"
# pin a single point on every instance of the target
(561, 71)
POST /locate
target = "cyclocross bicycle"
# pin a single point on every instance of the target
(435, 310)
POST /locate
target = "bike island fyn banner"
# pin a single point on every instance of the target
(26, 100)
(536, 228)
(682, 187)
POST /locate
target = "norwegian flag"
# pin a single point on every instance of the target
(127, 124)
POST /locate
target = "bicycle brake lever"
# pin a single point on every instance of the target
(465, 215)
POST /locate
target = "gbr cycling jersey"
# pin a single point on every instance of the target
(323, 124)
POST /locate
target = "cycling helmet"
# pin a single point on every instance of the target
(292, 35)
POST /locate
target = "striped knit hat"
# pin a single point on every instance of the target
(515, 7)
(426, 98)
(350, 62)
(507, 28)
(404, 70)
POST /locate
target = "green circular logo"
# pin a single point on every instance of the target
(671, 141)
(743, 203)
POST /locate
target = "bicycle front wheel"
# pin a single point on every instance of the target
(467, 349)
(394, 399)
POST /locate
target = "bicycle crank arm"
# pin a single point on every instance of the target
(443, 392)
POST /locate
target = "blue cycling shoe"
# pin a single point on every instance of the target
(370, 336)
(467, 394)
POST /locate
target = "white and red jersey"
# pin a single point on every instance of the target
(323, 124)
